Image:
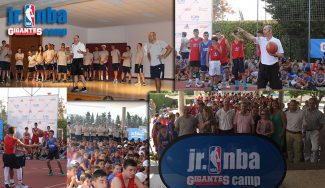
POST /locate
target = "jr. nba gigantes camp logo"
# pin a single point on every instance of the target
(30, 17)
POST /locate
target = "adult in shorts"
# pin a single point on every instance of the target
(126, 69)
(195, 59)
(95, 64)
(116, 59)
(88, 60)
(62, 63)
(78, 50)
(184, 48)
(39, 58)
(269, 67)
(49, 60)
(103, 59)
(5, 56)
(53, 148)
(213, 58)
(157, 51)
(19, 57)
(138, 69)
(237, 54)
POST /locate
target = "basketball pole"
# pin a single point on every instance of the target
(309, 31)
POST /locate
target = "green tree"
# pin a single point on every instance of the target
(97, 121)
(92, 119)
(62, 123)
(3, 113)
(103, 118)
(220, 8)
(117, 120)
(88, 118)
(61, 109)
(109, 118)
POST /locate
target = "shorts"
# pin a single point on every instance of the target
(31, 69)
(138, 68)
(5, 65)
(103, 67)
(21, 160)
(87, 68)
(126, 69)
(77, 68)
(269, 73)
(239, 66)
(214, 68)
(115, 66)
(35, 140)
(157, 71)
(19, 67)
(39, 67)
(204, 68)
(53, 154)
(195, 63)
(54, 66)
(96, 67)
(78, 137)
(62, 69)
(47, 66)
(10, 161)
(185, 55)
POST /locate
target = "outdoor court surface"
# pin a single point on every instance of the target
(35, 174)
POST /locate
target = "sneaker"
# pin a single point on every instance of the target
(215, 88)
(54, 81)
(83, 90)
(188, 85)
(137, 84)
(50, 173)
(12, 184)
(227, 86)
(62, 173)
(200, 85)
(22, 185)
(64, 81)
(17, 80)
(75, 89)
(129, 81)
(143, 84)
(7, 186)
(220, 86)
(115, 81)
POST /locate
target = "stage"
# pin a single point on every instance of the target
(98, 90)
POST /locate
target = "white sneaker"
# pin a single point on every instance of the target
(227, 85)
(199, 85)
(189, 84)
(220, 86)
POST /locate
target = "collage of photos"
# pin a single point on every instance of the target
(162, 93)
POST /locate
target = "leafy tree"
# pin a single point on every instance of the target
(117, 120)
(220, 8)
(92, 119)
(61, 109)
(88, 118)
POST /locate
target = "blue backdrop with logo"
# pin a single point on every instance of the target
(192, 162)
(315, 48)
(1, 129)
(135, 133)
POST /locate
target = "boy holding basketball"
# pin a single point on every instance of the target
(269, 67)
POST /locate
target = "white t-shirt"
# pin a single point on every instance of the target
(75, 48)
(96, 57)
(127, 59)
(88, 58)
(62, 58)
(20, 57)
(139, 58)
(103, 57)
(39, 58)
(49, 56)
(184, 43)
(78, 129)
(266, 58)
(93, 131)
(158, 48)
(115, 53)
(69, 58)
(85, 130)
(31, 61)
(5, 51)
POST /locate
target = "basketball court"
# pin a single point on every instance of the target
(35, 174)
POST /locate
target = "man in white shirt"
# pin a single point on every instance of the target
(78, 50)
(116, 59)
(269, 68)
(184, 49)
(96, 63)
(62, 63)
(225, 117)
(88, 60)
(103, 57)
(157, 51)
(126, 56)
(5, 55)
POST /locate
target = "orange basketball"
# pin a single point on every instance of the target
(40, 133)
(271, 47)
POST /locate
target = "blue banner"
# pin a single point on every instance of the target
(207, 160)
(135, 133)
(317, 48)
(1, 129)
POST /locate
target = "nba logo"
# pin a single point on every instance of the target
(215, 159)
(29, 15)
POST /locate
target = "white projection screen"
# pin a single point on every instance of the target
(25, 111)
(192, 14)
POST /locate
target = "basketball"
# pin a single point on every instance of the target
(40, 133)
(271, 47)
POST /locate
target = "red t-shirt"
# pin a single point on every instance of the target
(214, 53)
(131, 181)
(26, 137)
(237, 49)
(10, 144)
(195, 50)
(224, 54)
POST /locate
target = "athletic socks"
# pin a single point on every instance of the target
(6, 174)
(106, 77)
(20, 174)
(197, 80)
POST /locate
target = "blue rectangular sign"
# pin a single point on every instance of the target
(135, 133)
(317, 48)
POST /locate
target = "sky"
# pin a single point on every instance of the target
(16, 92)
(114, 107)
(249, 9)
